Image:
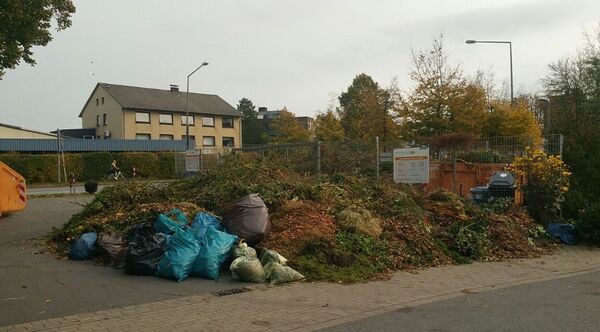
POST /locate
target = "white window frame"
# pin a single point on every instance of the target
(204, 141)
(146, 136)
(166, 137)
(208, 121)
(139, 120)
(164, 118)
(193, 122)
(98, 120)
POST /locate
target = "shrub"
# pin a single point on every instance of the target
(547, 180)
(91, 186)
(41, 168)
(588, 225)
(96, 164)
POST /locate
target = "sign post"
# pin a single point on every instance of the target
(411, 165)
(192, 161)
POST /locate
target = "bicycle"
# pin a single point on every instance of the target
(115, 175)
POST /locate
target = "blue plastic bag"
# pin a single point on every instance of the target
(178, 261)
(164, 223)
(214, 250)
(564, 232)
(83, 248)
(202, 221)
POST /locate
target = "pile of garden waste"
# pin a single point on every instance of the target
(340, 227)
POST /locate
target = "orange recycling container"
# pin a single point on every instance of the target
(13, 194)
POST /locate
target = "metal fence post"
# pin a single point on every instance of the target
(58, 153)
(201, 159)
(377, 156)
(561, 140)
(318, 158)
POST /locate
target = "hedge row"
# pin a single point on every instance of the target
(42, 168)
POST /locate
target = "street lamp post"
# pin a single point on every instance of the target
(471, 41)
(187, 107)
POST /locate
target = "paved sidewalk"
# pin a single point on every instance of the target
(307, 306)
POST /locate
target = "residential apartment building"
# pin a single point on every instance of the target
(129, 112)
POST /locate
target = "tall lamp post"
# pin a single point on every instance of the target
(471, 41)
(187, 107)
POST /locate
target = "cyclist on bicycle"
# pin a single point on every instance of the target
(113, 167)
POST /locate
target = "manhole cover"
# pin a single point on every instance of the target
(232, 291)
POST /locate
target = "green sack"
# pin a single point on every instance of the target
(247, 269)
(267, 256)
(278, 274)
(243, 250)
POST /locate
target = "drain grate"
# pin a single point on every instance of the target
(232, 291)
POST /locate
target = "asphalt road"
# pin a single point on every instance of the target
(35, 285)
(79, 189)
(566, 304)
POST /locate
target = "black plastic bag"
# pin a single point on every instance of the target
(114, 248)
(145, 250)
(248, 218)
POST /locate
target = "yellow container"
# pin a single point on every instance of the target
(13, 192)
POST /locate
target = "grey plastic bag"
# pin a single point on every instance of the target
(248, 218)
(267, 256)
(278, 274)
(243, 250)
(247, 269)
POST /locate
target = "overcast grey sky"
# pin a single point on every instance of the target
(294, 53)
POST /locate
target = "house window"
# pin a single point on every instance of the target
(208, 121)
(227, 122)
(228, 142)
(165, 137)
(189, 118)
(192, 138)
(165, 119)
(104, 119)
(142, 136)
(102, 100)
(98, 120)
(97, 102)
(142, 117)
(208, 141)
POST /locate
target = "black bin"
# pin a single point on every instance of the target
(502, 184)
(480, 194)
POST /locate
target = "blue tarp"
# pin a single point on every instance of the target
(564, 232)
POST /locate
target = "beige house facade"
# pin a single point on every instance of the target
(127, 112)
(8, 131)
